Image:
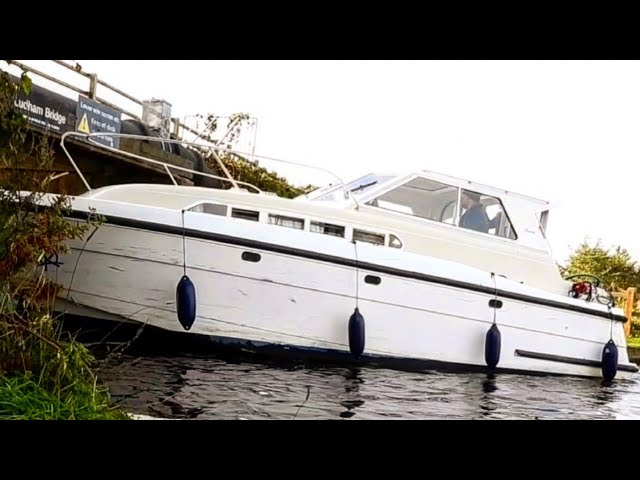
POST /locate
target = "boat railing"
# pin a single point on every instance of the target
(89, 137)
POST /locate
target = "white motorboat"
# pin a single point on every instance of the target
(419, 267)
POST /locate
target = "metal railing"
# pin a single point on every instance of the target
(167, 166)
(92, 92)
(209, 143)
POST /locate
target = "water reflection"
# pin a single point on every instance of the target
(235, 388)
(605, 393)
(487, 403)
(489, 383)
(353, 380)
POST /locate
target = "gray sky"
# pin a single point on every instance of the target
(565, 131)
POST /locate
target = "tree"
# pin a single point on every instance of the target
(614, 266)
(240, 168)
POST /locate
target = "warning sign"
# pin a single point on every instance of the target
(84, 125)
(93, 117)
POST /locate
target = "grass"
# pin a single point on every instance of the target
(633, 342)
(42, 374)
(48, 377)
(23, 398)
(634, 339)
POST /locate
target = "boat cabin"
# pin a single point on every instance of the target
(422, 212)
(433, 198)
(456, 219)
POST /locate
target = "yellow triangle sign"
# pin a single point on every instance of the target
(84, 125)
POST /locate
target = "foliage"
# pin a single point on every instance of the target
(24, 398)
(242, 169)
(633, 341)
(614, 266)
(246, 171)
(33, 232)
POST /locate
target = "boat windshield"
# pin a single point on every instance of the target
(357, 187)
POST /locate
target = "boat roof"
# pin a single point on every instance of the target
(372, 184)
(364, 188)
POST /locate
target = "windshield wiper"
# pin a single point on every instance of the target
(364, 185)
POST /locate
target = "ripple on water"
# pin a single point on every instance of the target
(215, 388)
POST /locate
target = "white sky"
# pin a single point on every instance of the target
(565, 131)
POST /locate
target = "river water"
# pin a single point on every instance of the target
(224, 387)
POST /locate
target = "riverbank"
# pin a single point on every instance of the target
(633, 349)
(44, 374)
(23, 397)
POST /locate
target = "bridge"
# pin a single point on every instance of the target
(53, 114)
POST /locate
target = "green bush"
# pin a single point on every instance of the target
(43, 374)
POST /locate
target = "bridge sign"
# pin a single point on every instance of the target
(93, 117)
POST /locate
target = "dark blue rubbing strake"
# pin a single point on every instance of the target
(492, 347)
(609, 360)
(186, 302)
(356, 333)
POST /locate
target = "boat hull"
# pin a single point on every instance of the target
(264, 288)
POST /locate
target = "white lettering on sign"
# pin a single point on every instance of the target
(46, 112)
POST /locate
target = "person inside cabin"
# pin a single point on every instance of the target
(475, 217)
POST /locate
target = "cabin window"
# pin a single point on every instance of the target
(422, 198)
(211, 208)
(449, 212)
(245, 214)
(486, 214)
(543, 218)
(327, 229)
(283, 221)
(369, 237)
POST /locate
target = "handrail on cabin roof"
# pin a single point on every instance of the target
(229, 178)
(168, 166)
